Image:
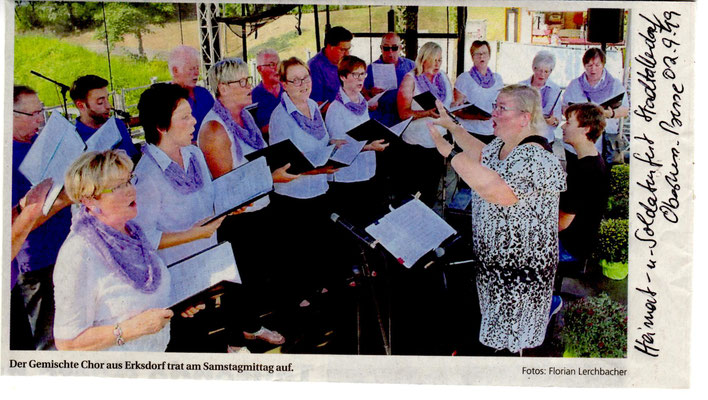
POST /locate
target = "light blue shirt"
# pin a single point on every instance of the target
(483, 98)
(162, 209)
(556, 109)
(283, 126)
(574, 94)
(339, 121)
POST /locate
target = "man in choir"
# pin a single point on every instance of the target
(90, 95)
(32, 299)
(184, 68)
(267, 93)
(387, 112)
(323, 66)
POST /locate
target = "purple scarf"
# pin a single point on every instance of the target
(485, 81)
(314, 127)
(599, 93)
(250, 134)
(183, 183)
(356, 108)
(436, 87)
(129, 255)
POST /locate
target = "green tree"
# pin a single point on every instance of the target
(60, 17)
(407, 23)
(133, 19)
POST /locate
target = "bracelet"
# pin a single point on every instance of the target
(118, 332)
(455, 151)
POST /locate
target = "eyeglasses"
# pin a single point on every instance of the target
(269, 65)
(481, 54)
(497, 107)
(299, 81)
(243, 82)
(359, 75)
(120, 187)
(390, 48)
(30, 114)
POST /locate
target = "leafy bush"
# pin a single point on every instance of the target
(618, 201)
(595, 327)
(612, 244)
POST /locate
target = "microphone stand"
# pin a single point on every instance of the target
(63, 87)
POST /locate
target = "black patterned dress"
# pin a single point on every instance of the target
(518, 247)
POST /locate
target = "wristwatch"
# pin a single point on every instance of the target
(455, 151)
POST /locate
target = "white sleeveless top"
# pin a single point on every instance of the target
(245, 148)
(417, 132)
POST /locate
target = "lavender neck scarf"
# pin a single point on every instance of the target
(485, 81)
(250, 134)
(545, 95)
(183, 183)
(436, 87)
(356, 108)
(128, 255)
(599, 93)
(314, 126)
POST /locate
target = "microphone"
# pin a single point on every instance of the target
(364, 237)
(121, 113)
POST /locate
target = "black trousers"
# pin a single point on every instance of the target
(420, 171)
(32, 311)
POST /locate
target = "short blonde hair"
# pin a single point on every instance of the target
(229, 69)
(94, 172)
(527, 99)
(428, 52)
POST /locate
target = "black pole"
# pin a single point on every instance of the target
(461, 33)
(244, 34)
(391, 20)
(327, 25)
(108, 49)
(317, 29)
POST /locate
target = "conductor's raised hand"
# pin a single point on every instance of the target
(281, 175)
(444, 147)
(443, 118)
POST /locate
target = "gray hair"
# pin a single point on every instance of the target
(228, 69)
(527, 99)
(266, 52)
(426, 53)
(544, 57)
(179, 54)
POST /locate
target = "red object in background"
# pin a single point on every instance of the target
(578, 19)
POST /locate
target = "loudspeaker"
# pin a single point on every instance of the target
(605, 25)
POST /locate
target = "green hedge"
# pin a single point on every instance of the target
(618, 201)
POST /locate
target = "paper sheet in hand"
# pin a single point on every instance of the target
(241, 186)
(105, 137)
(375, 98)
(348, 152)
(384, 76)
(200, 272)
(56, 147)
(318, 158)
(410, 231)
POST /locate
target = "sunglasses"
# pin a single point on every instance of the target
(390, 48)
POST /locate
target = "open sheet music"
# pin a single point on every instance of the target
(374, 130)
(348, 152)
(241, 186)
(384, 76)
(56, 147)
(410, 231)
(201, 271)
(105, 138)
(376, 98)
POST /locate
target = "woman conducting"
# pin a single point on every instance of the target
(421, 166)
(228, 133)
(111, 287)
(596, 85)
(480, 87)
(514, 217)
(542, 65)
(301, 204)
(353, 192)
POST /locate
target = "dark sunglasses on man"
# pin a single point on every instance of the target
(390, 48)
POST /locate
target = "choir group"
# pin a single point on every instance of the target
(91, 274)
